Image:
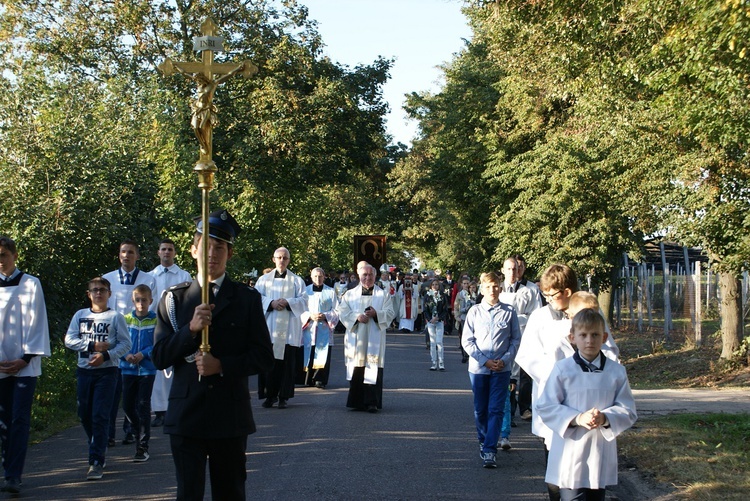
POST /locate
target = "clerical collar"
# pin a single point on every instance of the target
(366, 291)
(587, 366)
(279, 275)
(318, 288)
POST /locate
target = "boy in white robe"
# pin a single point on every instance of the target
(544, 342)
(587, 402)
(24, 340)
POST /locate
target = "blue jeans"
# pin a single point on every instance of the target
(136, 400)
(507, 416)
(116, 409)
(490, 395)
(96, 390)
(16, 395)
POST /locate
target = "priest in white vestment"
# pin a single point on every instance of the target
(366, 311)
(318, 323)
(284, 296)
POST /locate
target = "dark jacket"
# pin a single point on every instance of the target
(217, 406)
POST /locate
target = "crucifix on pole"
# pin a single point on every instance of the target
(207, 76)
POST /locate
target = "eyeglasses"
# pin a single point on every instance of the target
(97, 290)
(549, 296)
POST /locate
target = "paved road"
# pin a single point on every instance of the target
(421, 446)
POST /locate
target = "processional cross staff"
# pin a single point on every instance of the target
(207, 76)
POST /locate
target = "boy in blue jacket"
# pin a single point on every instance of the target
(138, 371)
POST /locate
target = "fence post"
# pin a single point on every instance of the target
(667, 302)
(697, 287)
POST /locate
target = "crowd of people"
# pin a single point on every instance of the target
(542, 351)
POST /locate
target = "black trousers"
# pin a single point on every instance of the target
(226, 466)
(313, 376)
(362, 395)
(582, 494)
(280, 381)
(525, 384)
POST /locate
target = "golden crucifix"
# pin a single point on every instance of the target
(203, 121)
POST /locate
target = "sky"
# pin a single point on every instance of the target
(419, 34)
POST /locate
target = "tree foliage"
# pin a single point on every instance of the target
(569, 132)
(97, 145)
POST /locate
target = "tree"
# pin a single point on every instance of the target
(101, 146)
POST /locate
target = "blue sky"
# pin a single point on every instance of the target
(419, 34)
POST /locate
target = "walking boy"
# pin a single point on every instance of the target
(491, 338)
(100, 336)
(138, 371)
(24, 340)
(587, 402)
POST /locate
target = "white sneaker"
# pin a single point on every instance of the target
(504, 444)
(434, 367)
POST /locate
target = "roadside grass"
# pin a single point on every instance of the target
(703, 456)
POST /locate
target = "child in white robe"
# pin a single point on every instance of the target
(587, 402)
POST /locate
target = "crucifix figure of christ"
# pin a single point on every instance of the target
(208, 76)
(203, 73)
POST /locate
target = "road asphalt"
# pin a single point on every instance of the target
(421, 446)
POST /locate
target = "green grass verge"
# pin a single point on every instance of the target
(705, 456)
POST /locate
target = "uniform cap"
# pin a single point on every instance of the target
(221, 226)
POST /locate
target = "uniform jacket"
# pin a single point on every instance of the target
(215, 406)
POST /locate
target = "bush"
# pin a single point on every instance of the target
(54, 408)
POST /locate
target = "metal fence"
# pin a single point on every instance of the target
(670, 299)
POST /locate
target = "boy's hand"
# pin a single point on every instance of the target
(96, 359)
(101, 346)
(590, 419)
(201, 318)
(207, 364)
(495, 365)
(12, 366)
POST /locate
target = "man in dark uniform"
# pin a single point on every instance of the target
(209, 414)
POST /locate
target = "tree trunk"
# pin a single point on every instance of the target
(606, 294)
(730, 310)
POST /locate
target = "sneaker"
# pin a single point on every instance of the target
(111, 442)
(526, 416)
(504, 444)
(442, 368)
(141, 456)
(282, 403)
(488, 460)
(12, 485)
(96, 471)
(158, 421)
(129, 439)
(434, 367)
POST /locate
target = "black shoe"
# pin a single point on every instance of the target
(269, 403)
(129, 439)
(319, 384)
(372, 409)
(112, 442)
(158, 421)
(282, 403)
(12, 485)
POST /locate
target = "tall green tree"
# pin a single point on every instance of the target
(100, 145)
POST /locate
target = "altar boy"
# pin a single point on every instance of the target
(586, 402)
